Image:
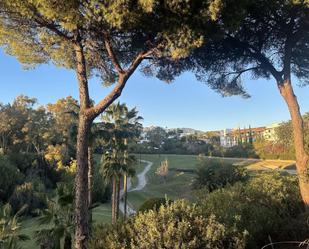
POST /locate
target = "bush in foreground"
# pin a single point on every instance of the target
(178, 225)
(264, 207)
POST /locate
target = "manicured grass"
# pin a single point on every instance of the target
(177, 184)
(102, 213)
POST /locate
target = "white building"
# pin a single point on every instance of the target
(270, 132)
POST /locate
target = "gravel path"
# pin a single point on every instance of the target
(141, 183)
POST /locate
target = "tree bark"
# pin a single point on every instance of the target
(81, 185)
(90, 180)
(302, 158)
(84, 125)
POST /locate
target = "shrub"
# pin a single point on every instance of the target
(245, 150)
(262, 206)
(10, 177)
(25, 194)
(153, 204)
(218, 174)
(178, 225)
(23, 161)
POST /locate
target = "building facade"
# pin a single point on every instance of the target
(233, 137)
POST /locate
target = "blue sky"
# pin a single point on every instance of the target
(184, 103)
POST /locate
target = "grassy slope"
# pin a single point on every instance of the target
(177, 184)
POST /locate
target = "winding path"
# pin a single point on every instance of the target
(141, 183)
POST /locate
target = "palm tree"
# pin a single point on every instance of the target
(112, 170)
(9, 228)
(129, 172)
(121, 126)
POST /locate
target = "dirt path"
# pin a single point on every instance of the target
(141, 183)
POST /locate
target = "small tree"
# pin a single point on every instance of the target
(162, 170)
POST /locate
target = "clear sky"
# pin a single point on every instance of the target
(184, 103)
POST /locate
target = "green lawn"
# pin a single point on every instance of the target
(177, 184)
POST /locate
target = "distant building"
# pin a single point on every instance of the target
(226, 139)
(232, 137)
(269, 133)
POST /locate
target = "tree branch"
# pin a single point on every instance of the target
(265, 63)
(241, 71)
(111, 53)
(52, 27)
(81, 74)
(96, 110)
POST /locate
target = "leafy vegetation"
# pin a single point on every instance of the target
(178, 225)
(213, 175)
(219, 41)
(10, 235)
(263, 207)
(153, 204)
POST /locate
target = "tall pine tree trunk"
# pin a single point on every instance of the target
(302, 158)
(84, 125)
(81, 185)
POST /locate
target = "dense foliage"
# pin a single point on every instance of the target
(216, 174)
(178, 225)
(26, 194)
(153, 204)
(265, 206)
(10, 234)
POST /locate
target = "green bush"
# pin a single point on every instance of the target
(217, 174)
(178, 225)
(10, 177)
(263, 206)
(23, 161)
(153, 204)
(245, 150)
(25, 194)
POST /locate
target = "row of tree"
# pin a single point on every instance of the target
(218, 40)
(158, 140)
